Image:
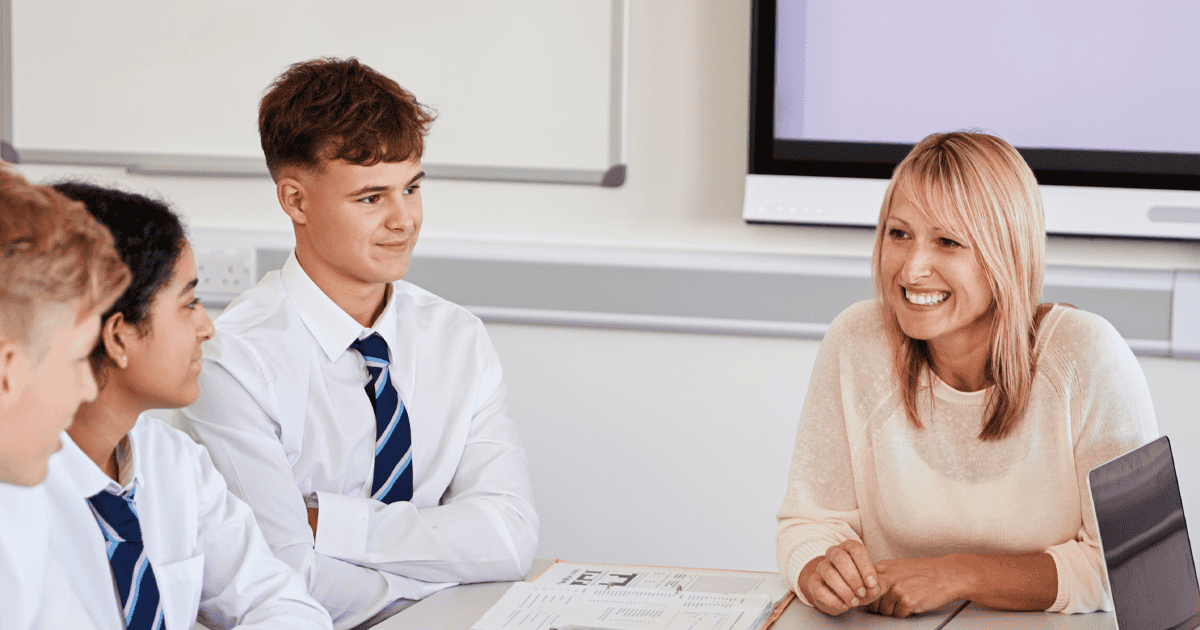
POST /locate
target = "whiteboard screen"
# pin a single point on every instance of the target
(519, 85)
(1039, 75)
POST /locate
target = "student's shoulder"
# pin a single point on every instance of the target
(179, 469)
(435, 312)
(23, 506)
(256, 331)
(258, 311)
(157, 440)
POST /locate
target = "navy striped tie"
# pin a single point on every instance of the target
(136, 587)
(393, 479)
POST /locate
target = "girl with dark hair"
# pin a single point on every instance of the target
(139, 505)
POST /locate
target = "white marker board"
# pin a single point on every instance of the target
(530, 90)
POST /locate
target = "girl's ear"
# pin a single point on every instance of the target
(116, 335)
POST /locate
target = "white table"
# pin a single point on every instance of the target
(979, 617)
(460, 607)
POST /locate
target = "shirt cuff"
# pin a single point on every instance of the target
(342, 524)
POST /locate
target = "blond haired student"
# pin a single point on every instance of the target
(950, 423)
(58, 272)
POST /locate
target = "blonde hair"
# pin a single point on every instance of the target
(52, 254)
(979, 187)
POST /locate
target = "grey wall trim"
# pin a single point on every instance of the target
(639, 291)
(1136, 313)
(1154, 347)
(740, 302)
(656, 289)
(650, 323)
(1185, 314)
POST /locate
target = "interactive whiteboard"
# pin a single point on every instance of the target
(530, 91)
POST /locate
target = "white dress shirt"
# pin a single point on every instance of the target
(209, 558)
(36, 592)
(24, 545)
(284, 413)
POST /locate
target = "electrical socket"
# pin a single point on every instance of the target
(223, 273)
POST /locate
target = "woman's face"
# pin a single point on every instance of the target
(164, 363)
(934, 281)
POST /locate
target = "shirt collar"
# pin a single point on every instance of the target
(333, 328)
(87, 475)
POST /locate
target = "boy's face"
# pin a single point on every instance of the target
(41, 400)
(360, 223)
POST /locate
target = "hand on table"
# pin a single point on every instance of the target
(915, 586)
(844, 578)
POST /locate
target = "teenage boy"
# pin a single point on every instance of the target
(361, 417)
(58, 272)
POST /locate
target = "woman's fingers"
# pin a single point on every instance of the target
(866, 568)
(826, 601)
(836, 581)
(843, 579)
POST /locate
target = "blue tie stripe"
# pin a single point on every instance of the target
(159, 622)
(400, 470)
(392, 480)
(137, 590)
(140, 572)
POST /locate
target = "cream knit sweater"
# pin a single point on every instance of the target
(861, 470)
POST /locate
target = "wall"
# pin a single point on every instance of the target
(656, 447)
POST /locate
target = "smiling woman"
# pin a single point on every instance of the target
(963, 210)
(950, 423)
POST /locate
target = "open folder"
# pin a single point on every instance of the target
(626, 597)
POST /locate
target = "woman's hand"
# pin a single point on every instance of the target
(918, 585)
(840, 580)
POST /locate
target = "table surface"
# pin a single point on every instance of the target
(460, 607)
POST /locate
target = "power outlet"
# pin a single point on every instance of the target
(223, 273)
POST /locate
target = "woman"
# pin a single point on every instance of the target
(950, 423)
(140, 506)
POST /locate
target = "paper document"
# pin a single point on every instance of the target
(529, 606)
(628, 597)
(666, 578)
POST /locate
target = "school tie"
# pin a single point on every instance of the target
(393, 480)
(136, 587)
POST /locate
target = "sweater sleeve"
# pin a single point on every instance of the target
(1111, 414)
(820, 508)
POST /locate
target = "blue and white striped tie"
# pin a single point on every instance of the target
(393, 480)
(137, 589)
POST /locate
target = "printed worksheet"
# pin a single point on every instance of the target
(665, 578)
(535, 606)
